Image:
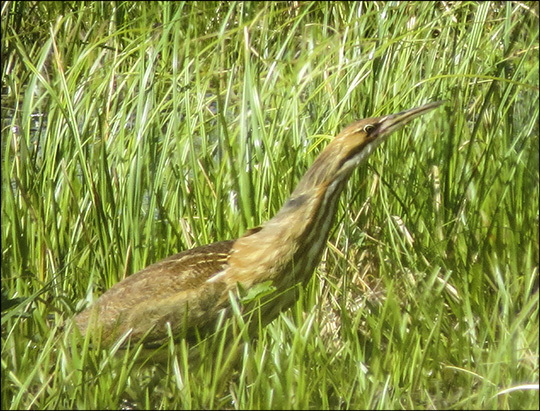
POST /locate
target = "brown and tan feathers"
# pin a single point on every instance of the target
(189, 290)
(173, 290)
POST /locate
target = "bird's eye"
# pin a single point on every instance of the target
(368, 128)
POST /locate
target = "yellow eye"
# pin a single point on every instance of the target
(368, 128)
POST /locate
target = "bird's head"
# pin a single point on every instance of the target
(354, 144)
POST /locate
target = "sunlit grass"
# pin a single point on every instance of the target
(129, 134)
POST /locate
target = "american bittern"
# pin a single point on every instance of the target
(189, 290)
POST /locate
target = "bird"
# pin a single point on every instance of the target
(187, 293)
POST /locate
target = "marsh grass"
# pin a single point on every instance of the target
(131, 131)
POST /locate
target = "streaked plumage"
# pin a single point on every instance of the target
(190, 289)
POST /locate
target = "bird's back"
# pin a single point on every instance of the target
(174, 290)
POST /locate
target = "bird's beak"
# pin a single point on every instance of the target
(391, 123)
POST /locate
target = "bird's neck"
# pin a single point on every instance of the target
(296, 236)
